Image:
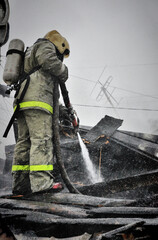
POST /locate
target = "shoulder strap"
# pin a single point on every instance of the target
(27, 78)
(10, 51)
(17, 108)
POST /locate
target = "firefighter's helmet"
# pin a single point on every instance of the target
(59, 41)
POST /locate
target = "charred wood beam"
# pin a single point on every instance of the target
(122, 184)
(80, 200)
(45, 225)
(125, 229)
(60, 210)
(135, 142)
(135, 149)
(147, 137)
(124, 212)
(11, 214)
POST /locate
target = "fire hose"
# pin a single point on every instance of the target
(56, 136)
(72, 113)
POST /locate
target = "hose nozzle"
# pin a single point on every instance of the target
(75, 124)
(74, 119)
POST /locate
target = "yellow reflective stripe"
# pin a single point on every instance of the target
(32, 168)
(20, 168)
(41, 168)
(36, 104)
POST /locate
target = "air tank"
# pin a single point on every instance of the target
(14, 61)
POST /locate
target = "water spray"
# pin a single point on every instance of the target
(94, 175)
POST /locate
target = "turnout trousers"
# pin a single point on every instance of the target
(33, 155)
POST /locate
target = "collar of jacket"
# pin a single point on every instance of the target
(42, 40)
(59, 55)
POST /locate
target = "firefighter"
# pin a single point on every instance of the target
(33, 155)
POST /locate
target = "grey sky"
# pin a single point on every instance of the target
(119, 34)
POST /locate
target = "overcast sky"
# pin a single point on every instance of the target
(117, 36)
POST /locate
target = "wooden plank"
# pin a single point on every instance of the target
(57, 209)
(10, 214)
(124, 212)
(136, 143)
(46, 225)
(80, 200)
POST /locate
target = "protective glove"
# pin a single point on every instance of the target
(74, 118)
(64, 116)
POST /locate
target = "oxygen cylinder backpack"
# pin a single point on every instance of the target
(14, 62)
(14, 74)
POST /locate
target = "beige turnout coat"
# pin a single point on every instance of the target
(39, 94)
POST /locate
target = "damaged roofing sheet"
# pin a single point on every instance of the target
(106, 126)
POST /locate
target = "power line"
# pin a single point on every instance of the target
(83, 78)
(133, 65)
(122, 89)
(120, 108)
(117, 65)
(130, 91)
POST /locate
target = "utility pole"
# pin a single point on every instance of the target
(4, 25)
(4, 33)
